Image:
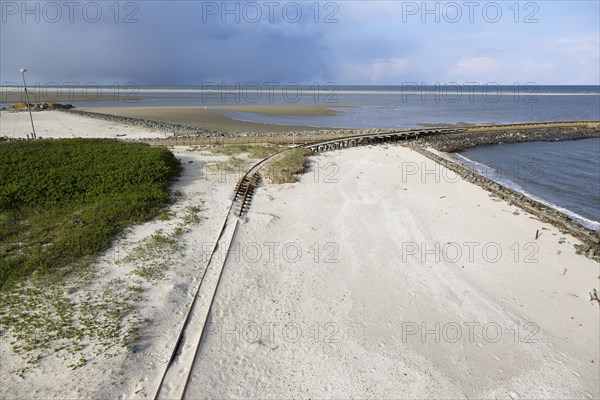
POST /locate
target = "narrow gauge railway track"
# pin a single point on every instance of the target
(175, 377)
(245, 191)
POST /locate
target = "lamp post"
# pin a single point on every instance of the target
(23, 70)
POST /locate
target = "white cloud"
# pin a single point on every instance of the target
(577, 59)
(568, 60)
(377, 71)
(487, 69)
(387, 69)
(587, 47)
(476, 66)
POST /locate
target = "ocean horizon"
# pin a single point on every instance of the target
(355, 106)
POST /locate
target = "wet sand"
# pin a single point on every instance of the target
(292, 110)
(211, 118)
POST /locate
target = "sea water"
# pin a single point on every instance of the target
(563, 174)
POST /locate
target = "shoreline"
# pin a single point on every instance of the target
(368, 284)
(587, 223)
(207, 122)
(589, 237)
(209, 119)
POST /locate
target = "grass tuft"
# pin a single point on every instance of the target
(253, 151)
(284, 167)
(153, 255)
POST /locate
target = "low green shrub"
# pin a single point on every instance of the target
(62, 202)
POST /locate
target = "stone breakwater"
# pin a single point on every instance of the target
(189, 132)
(455, 142)
(590, 239)
(150, 124)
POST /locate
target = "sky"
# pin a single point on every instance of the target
(177, 43)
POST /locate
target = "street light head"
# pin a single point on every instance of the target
(23, 70)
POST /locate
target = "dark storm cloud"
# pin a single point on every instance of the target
(171, 44)
(347, 42)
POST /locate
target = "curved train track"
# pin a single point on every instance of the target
(175, 378)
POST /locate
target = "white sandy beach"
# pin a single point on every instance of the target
(335, 289)
(62, 125)
(366, 310)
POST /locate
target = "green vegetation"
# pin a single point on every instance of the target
(46, 320)
(231, 165)
(239, 155)
(63, 202)
(282, 168)
(253, 151)
(191, 216)
(153, 255)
